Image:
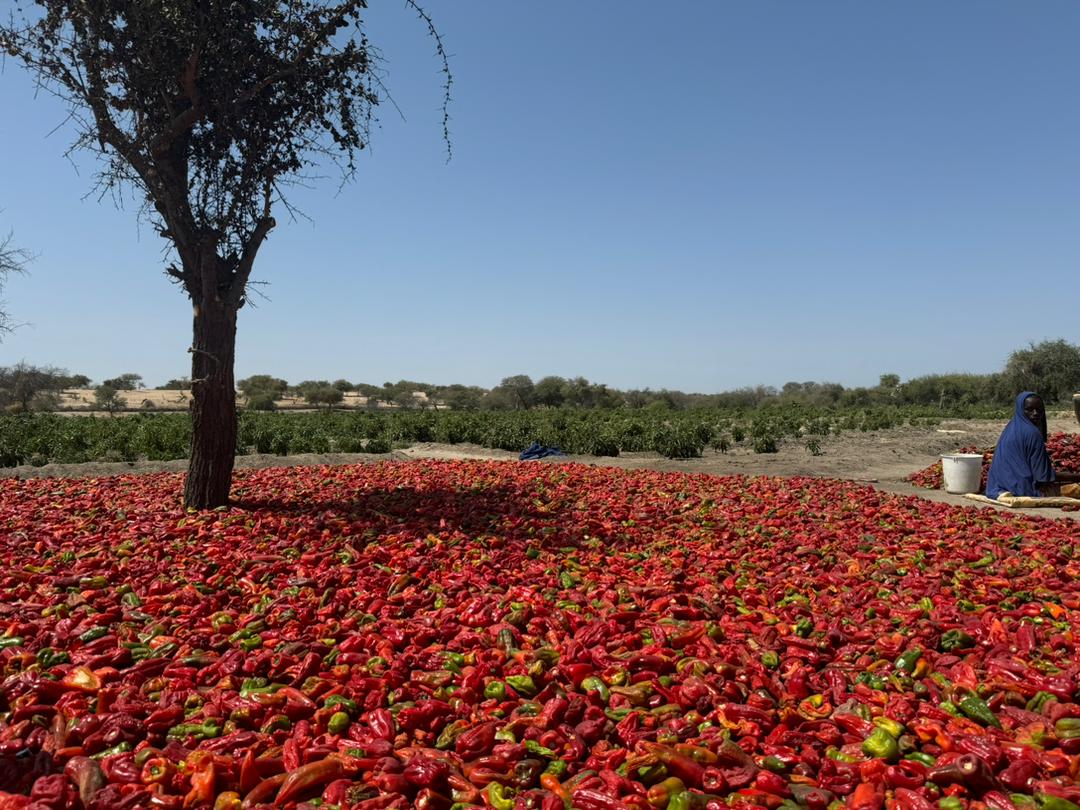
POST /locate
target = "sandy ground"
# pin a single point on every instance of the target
(881, 458)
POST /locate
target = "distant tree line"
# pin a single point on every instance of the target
(1051, 368)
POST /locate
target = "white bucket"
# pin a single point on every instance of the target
(962, 472)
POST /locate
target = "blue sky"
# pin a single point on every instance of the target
(692, 195)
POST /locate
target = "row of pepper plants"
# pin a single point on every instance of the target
(459, 635)
(44, 438)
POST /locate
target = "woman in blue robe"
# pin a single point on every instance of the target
(1021, 465)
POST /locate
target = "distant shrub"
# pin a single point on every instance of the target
(262, 401)
(378, 444)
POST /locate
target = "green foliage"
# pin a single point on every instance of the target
(25, 388)
(262, 384)
(326, 395)
(262, 401)
(1050, 368)
(125, 382)
(107, 398)
(673, 434)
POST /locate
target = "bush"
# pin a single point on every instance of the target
(262, 401)
(765, 444)
(378, 444)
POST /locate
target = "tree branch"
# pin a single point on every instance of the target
(247, 260)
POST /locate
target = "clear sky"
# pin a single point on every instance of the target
(694, 195)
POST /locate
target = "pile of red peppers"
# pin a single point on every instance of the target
(524, 635)
(1063, 449)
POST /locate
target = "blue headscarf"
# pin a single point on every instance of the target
(1020, 459)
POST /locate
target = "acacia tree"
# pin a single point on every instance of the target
(12, 260)
(210, 109)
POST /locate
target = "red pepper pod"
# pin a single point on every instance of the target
(87, 775)
(264, 791)
(866, 796)
(996, 800)
(907, 799)
(1019, 773)
(588, 799)
(906, 774)
(306, 777)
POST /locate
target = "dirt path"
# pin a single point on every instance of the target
(883, 458)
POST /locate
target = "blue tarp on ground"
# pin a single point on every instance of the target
(537, 450)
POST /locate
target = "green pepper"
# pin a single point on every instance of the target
(277, 722)
(500, 798)
(838, 755)
(533, 747)
(950, 707)
(1038, 700)
(881, 745)
(131, 600)
(950, 803)
(139, 651)
(343, 704)
(557, 767)
(952, 640)
(871, 679)
(339, 721)
(450, 734)
(495, 690)
(1067, 728)
(594, 684)
(146, 753)
(894, 728)
(906, 661)
(10, 641)
(93, 583)
(251, 642)
(200, 731)
(47, 657)
(454, 661)
(919, 756)
(774, 764)
(165, 650)
(804, 627)
(506, 734)
(1048, 802)
(770, 660)
(522, 684)
(119, 748)
(975, 707)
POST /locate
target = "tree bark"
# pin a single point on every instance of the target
(213, 403)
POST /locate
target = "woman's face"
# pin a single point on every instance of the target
(1034, 410)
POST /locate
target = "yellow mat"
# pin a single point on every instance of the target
(1023, 501)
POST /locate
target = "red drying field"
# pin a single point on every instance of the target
(1064, 450)
(531, 636)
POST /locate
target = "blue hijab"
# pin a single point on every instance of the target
(1020, 459)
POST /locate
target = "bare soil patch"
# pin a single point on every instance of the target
(880, 458)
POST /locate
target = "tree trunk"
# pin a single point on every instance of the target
(213, 404)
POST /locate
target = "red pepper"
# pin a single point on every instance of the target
(156, 770)
(907, 799)
(866, 797)
(587, 799)
(82, 678)
(264, 791)
(203, 779)
(306, 777)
